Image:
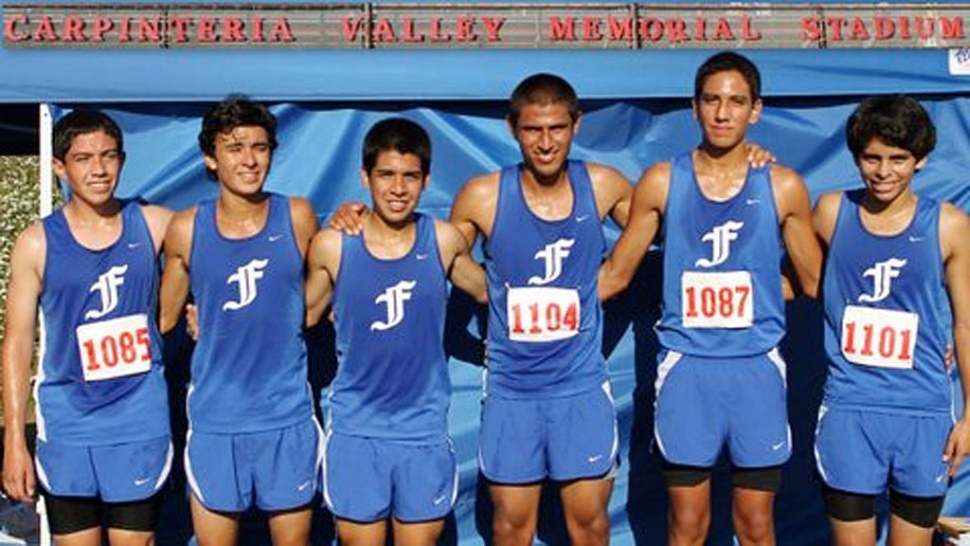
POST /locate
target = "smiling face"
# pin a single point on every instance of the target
(887, 170)
(725, 108)
(545, 133)
(91, 167)
(241, 160)
(395, 183)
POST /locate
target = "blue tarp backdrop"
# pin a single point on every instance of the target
(319, 156)
(636, 112)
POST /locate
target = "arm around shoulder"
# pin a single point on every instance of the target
(322, 265)
(157, 219)
(305, 223)
(175, 277)
(794, 207)
(462, 269)
(613, 192)
(475, 206)
(645, 214)
(955, 247)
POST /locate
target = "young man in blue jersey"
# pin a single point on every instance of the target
(253, 438)
(103, 439)
(897, 264)
(721, 380)
(388, 455)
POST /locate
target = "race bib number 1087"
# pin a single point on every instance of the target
(114, 348)
(717, 299)
(537, 314)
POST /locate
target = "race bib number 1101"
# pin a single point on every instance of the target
(114, 348)
(883, 338)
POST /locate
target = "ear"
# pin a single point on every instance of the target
(922, 162)
(695, 109)
(576, 124)
(60, 170)
(427, 179)
(755, 112)
(510, 125)
(364, 178)
(210, 162)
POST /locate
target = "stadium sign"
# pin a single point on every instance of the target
(485, 26)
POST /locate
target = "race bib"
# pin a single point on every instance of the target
(537, 314)
(882, 338)
(114, 348)
(718, 299)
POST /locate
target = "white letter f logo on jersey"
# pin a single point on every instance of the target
(107, 285)
(394, 297)
(553, 255)
(246, 277)
(882, 275)
(720, 238)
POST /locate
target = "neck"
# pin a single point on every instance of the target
(234, 205)
(721, 157)
(85, 213)
(903, 203)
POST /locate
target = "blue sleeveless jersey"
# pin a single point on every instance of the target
(392, 380)
(101, 379)
(545, 327)
(887, 314)
(722, 268)
(249, 368)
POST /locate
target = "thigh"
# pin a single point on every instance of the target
(66, 471)
(213, 528)
(133, 471)
(918, 469)
(139, 516)
(582, 435)
(213, 473)
(70, 515)
(356, 479)
(512, 441)
(283, 464)
(758, 433)
(425, 481)
(690, 422)
(851, 454)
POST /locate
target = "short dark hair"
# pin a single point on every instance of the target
(542, 89)
(82, 122)
(726, 61)
(235, 111)
(896, 120)
(400, 135)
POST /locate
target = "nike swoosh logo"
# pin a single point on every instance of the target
(594, 458)
(752, 201)
(134, 245)
(274, 238)
(582, 218)
(421, 256)
(440, 500)
(916, 239)
(303, 485)
(142, 481)
(778, 446)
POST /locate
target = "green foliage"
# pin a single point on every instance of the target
(19, 206)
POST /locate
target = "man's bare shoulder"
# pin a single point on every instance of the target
(954, 222)
(783, 177)
(32, 241)
(481, 186)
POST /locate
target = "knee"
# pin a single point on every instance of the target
(754, 526)
(593, 524)
(690, 523)
(508, 525)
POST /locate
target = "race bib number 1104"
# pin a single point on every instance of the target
(114, 348)
(537, 314)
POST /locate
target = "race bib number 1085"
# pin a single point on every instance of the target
(537, 314)
(114, 348)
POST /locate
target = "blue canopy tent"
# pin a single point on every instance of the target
(636, 112)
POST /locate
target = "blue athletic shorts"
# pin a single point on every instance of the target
(867, 451)
(704, 404)
(275, 469)
(369, 479)
(568, 438)
(114, 473)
